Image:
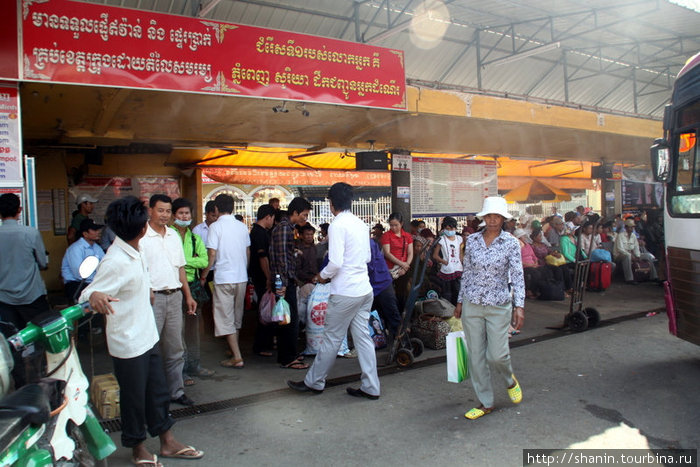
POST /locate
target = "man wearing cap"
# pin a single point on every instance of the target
(85, 246)
(626, 250)
(85, 205)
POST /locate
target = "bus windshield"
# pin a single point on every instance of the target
(685, 191)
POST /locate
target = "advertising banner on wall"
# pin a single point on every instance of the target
(10, 136)
(74, 42)
(9, 49)
(263, 176)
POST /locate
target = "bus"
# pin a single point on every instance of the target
(675, 161)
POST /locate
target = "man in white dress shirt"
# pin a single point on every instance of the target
(350, 300)
(121, 291)
(165, 257)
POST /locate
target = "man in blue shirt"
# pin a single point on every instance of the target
(87, 245)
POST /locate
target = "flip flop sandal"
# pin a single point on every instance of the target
(147, 462)
(232, 363)
(188, 381)
(264, 353)
(477, 412)
(296, 365)
(183, 454)
(515, 393)
(205, 372)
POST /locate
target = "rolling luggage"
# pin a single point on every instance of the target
(599, 276)
(641, 270)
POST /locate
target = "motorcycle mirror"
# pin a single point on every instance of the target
(88, 266)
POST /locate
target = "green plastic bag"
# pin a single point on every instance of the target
(280, 314)
(457, 357)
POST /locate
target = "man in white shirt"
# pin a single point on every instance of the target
(165, 257)
(121, 291)
(626, 250)
(350, 300)
(210, 217)
(228, 245)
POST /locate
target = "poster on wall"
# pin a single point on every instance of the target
(640, 192)
(10, 136)
(443, 187)
(107, 189)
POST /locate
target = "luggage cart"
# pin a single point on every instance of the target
(579, 318)
(405, 348)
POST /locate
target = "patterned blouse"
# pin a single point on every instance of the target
(489, 270)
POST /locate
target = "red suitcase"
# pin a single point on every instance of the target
(599, 276)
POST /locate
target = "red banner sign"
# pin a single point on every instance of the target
(263, 176)
(75, 42)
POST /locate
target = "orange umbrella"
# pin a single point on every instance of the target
(536, 190)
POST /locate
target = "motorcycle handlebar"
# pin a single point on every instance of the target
(48, 325)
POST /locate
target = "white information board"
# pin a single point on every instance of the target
(449, 187)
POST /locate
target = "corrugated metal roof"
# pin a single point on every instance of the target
(606, 49)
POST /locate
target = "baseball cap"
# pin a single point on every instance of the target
(85, 197)
(88, 224)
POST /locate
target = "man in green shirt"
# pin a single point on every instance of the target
(85, 205)
(196, 259)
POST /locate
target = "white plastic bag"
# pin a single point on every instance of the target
(316, 320)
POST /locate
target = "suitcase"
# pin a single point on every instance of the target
(432, 331)
(599, 276)
(641, 270)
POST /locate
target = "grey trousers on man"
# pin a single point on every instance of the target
(486, 332)
(168, 312)
(343, 313)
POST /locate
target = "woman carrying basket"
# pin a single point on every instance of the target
(492, 263)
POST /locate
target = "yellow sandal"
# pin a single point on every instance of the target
(477, 412)
(515, 393)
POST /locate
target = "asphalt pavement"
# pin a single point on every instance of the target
(625, 380)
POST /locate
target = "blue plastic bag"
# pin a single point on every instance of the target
(280, 314)
(599, 254)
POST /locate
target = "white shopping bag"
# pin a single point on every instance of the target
(457, 358)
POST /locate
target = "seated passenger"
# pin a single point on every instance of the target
(626, 251)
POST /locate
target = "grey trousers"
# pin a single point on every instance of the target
(626, 262)
(191, 339)
(343, 313)
(168, 312)
(486, 332)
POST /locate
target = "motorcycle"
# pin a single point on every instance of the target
(50, 422)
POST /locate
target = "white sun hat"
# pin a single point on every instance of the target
(494, 205)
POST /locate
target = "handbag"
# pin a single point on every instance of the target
(395, 272)
(198, 292)
(457, 357)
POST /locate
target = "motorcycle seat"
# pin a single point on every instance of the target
(29, 405)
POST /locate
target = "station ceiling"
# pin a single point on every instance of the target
(605, 59)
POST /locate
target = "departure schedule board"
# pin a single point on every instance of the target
(448, 187)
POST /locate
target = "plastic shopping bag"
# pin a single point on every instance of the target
(457, 358)
(376, 330)
(316, 320)
(281, 314)
(267, 304)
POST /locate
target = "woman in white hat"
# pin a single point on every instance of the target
(491, 262)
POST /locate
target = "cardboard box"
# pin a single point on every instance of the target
(104, 392)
